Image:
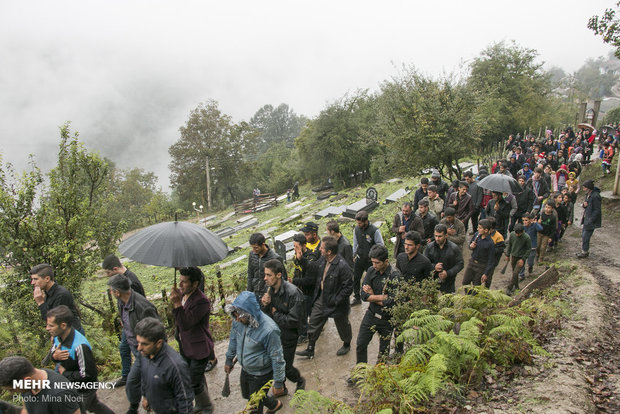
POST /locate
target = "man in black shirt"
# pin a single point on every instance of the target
(344, 246)
(365, 235)
(112, 266)
(256, 264)
(49, 397)
(412, 265)
(378, 289)
(429, 221)
(284, 303)
(304, 277)
(446, 258)
(482, 260)
(48, 294)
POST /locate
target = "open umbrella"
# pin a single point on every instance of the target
(585, 126)
(174, 244)
(500, 183)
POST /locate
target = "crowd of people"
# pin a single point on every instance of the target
(279, 311)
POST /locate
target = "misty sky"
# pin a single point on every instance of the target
(127, 73)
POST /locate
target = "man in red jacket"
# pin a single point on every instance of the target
(191, 314)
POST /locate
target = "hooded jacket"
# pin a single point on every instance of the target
(257, 345)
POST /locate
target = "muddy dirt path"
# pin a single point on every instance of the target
(581, 376)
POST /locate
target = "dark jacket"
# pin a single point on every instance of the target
(549, 223)
(192, 326)
(139, 308)
(464, 208)
(80, 367)
(451, 257)
(290, 311)
(525, 201)
(163, 380)
(337, 286)
(543, 189)
(134, 282)
(345, 250)
(363, 240)
(502, 215)
(58, 295)
(476, 194)
(417, 197)
(429, 221)
(415, 223)
(381, 284)
(592, 213)
(442, 187)
(305, 275)
(256, 271)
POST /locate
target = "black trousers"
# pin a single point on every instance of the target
(474, 220)
(359, 267)
(197, 373)
(252, 383)
(304, 323)
(91, 403)
(371, 324)
(289, 345)
(473, 274)
(318, 320)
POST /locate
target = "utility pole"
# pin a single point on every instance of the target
(617, 181)
(208, 172)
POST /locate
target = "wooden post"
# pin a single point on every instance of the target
(208, 173)
(617, 181)
(597, 109)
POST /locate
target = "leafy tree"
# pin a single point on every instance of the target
(333, 144)
(612, 116)
(278, 125)
(208, 133)
(513, 91)
(426, 123)
(607, 26)
(592, 81)
(65, 224)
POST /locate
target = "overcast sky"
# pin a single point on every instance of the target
(127, 73)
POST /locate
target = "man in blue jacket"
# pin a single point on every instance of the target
(255, 341)
(591, 216)
(159, 376)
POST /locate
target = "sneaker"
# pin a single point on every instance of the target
(120, 382)
(308, 353)
(211, 365)
(301, 384)
(277, 407)
(277, 392)
(582, 255)
(356, 301)
(302, 339)
(351, 382)
(344, 349)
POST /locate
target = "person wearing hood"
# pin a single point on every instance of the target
(442, 186)
(525, 171)
(255, 342)
(561, 177)
(591, 216)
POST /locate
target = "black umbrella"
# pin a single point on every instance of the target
(174, 244)
(500, 183)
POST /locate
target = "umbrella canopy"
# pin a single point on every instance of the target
(585, 126)
(174, 244)
(500, 183)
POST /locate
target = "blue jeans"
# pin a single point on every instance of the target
(126, 350)
(530, 261)
(586, 235)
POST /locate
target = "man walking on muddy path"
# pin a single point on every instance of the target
(591, 216)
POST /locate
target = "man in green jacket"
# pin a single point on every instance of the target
(517, 252)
